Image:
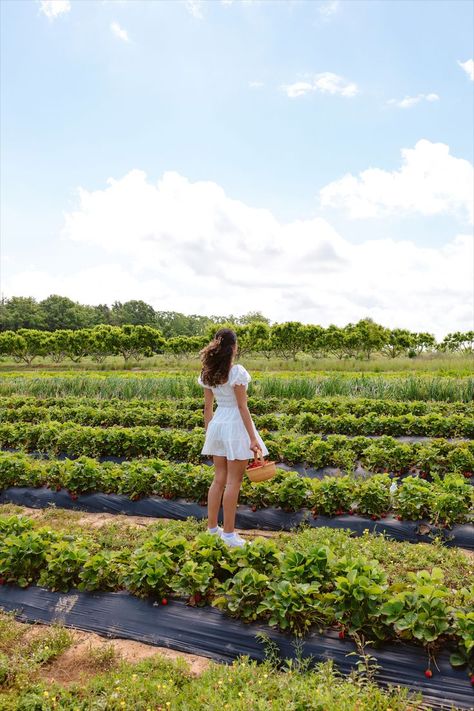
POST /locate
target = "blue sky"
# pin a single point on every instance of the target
(93, 90)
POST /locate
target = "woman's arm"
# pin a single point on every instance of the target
(241, 396)
(208, 406)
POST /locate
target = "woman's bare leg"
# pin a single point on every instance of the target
(235, 473)
(216, 490)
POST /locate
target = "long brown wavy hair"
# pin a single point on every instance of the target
(216, 357)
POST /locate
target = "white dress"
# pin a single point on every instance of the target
(226, 435)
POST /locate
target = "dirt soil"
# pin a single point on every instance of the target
(90, 652)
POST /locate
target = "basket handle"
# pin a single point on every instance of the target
(258, 455)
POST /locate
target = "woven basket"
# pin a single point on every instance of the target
(262, 472)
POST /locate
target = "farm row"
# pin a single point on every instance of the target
(259, 406)
(443, 502)
(294, 585)
(383, 454)
(434, 424)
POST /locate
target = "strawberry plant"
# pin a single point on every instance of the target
(242, 594)
(103, 571)
(359, 590)
(373, 495)
(452, 500)
(293, 492)
(23, 556)
(293, 606)
(413, 498)
(262, 556)
(332, 494)
(63, 564)
(419, 612)
(149, 573)
(193, 579)
(314, 564)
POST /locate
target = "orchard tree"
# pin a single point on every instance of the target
(185, 346)
(138, 342)
(315, 340)
(58, 344)
(336, 341)
(35, 344)
(288, 339)
(423, 342)
(102, 340)
(458, 342)
(372, 337)
(398, 343)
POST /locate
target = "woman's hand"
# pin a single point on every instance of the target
(254, 445)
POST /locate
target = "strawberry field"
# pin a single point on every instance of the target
(357, 474)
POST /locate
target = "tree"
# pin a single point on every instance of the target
(138, 342)
(185, 346)
(134, 313)
(288, 339)
(315, 340)
(372, 337)
(423, 342)
(61, 312)
(458, 342)
(253, 317)
(20, 312)
(335, 341)
(399, 341)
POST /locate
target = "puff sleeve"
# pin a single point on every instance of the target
(203, 384)
(239, 376)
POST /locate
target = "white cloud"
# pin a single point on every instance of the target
(54, 8)
(256, 84)
(430, 182)
(468, 67)
(194, 7)
(410, 101)
(329, 8)
(189, 247)
(119, 32)
(325, 83)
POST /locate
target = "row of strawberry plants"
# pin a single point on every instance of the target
(293, 589)
(442, 502)
(260, 406)
(431, 425)
(384, 454)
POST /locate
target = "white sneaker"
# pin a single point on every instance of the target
(218, 533)
(233, 540)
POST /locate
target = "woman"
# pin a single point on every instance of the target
(231, 437)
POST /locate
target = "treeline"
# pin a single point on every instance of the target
(283, 340)
(59, 312)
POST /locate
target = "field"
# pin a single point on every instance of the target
(362, 545)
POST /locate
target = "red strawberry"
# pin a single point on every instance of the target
(428, 673)
(164, 601)
(198, 597)
(472, 679)
(254, 508)
(468, 475)
(2, 581)
(58, 488)
(350, 512)
(384, 515)
(399, 518)
(342, 634)
(374, 517)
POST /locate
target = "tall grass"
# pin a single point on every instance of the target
(169, 387)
